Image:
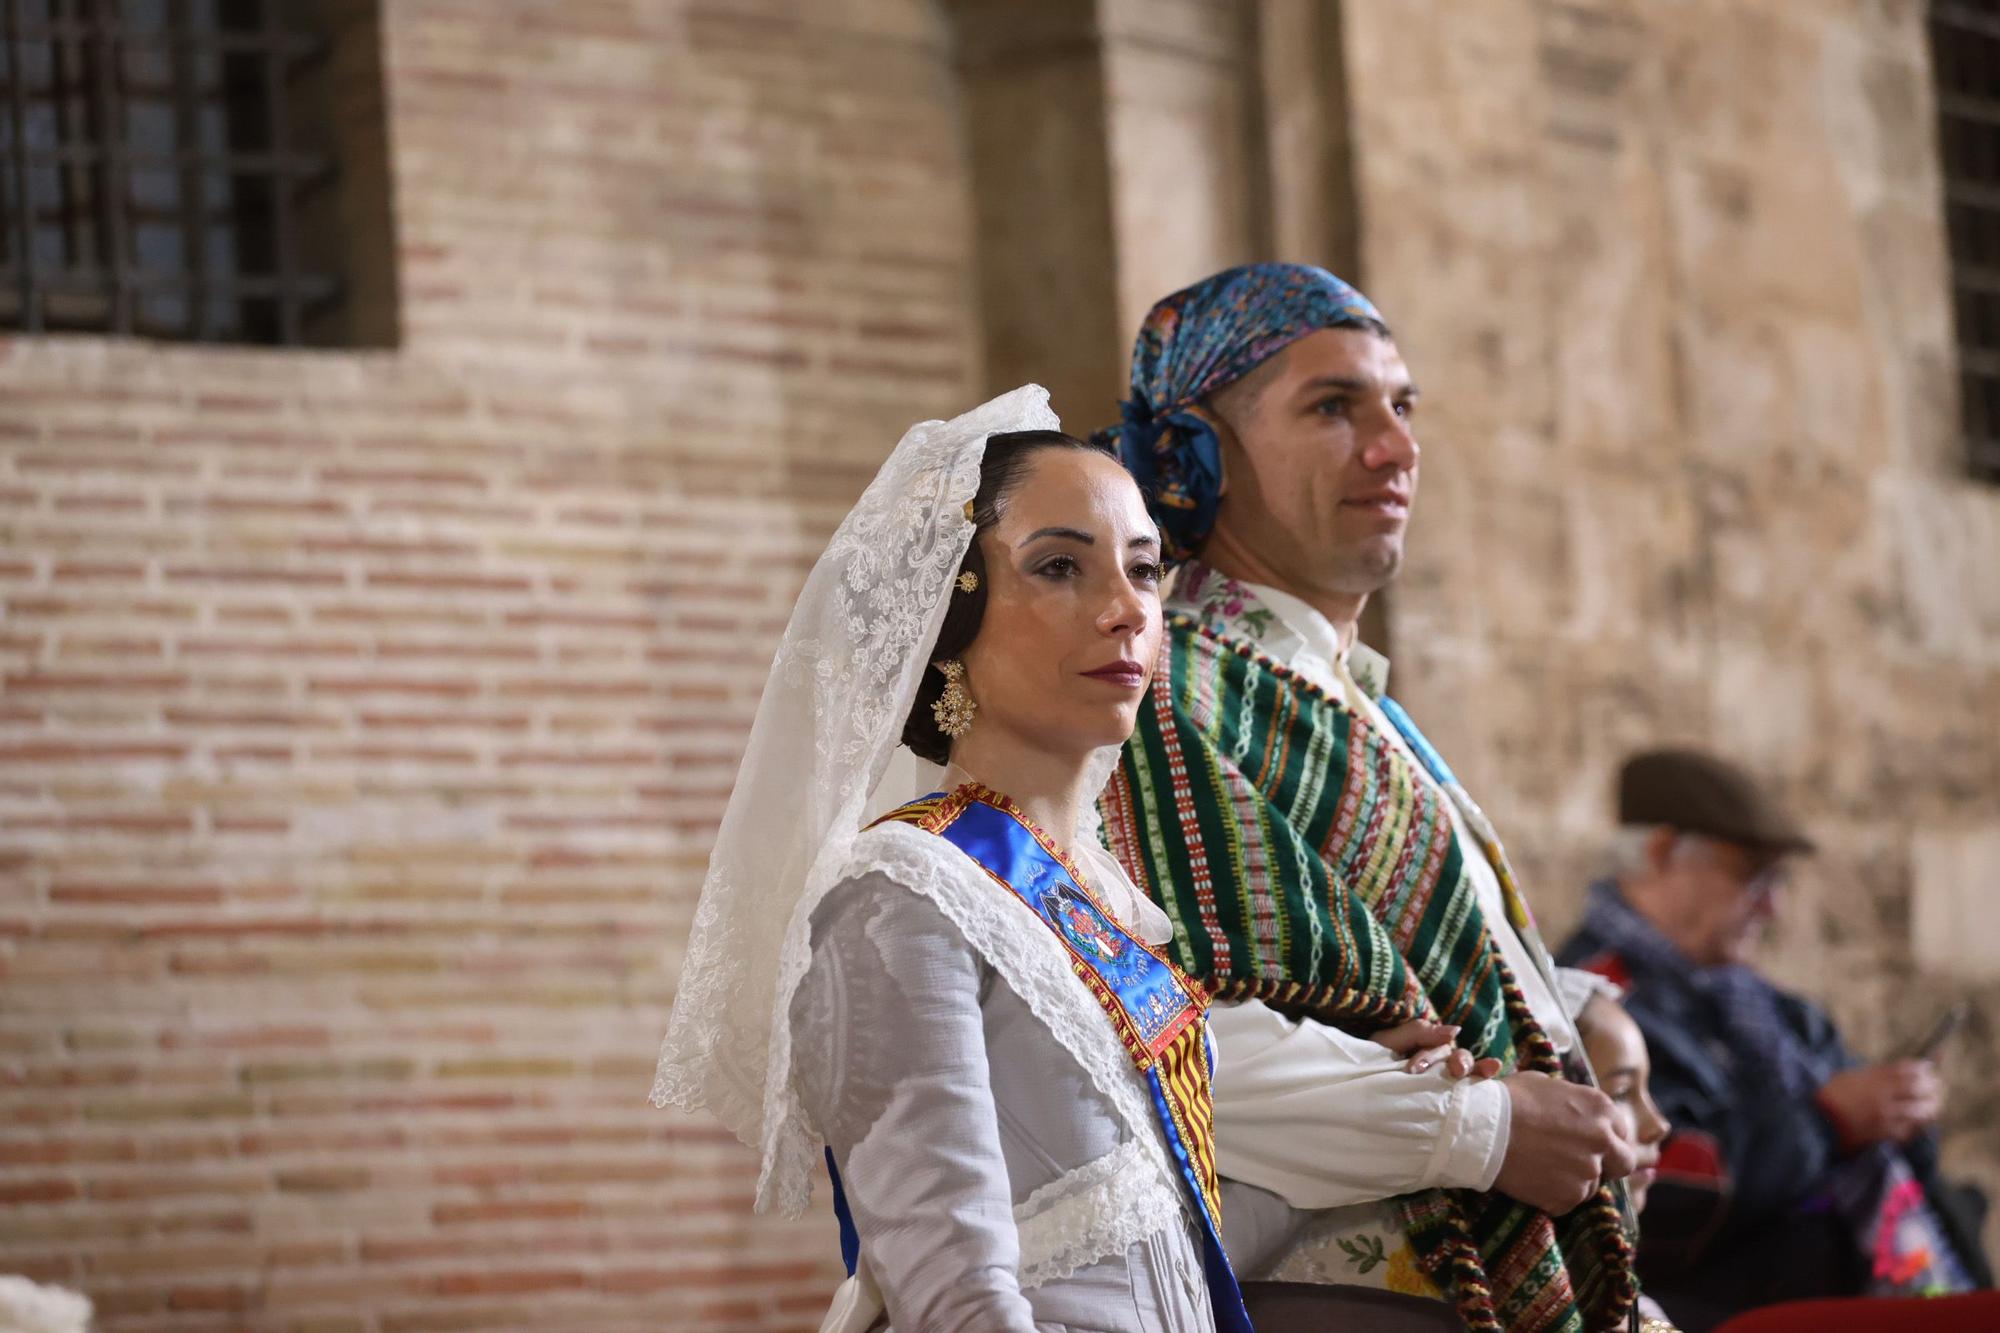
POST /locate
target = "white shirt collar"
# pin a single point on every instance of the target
(1315, 647)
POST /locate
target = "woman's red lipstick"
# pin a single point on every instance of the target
(1124, 672)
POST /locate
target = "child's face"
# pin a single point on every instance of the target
(1618, 1053)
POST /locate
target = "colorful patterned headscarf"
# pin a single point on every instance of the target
(1195, 342)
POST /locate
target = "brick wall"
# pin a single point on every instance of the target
(365, 715)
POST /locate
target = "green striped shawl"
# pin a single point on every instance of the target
(1305, 862)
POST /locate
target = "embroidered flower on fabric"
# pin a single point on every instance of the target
(1364, 1252)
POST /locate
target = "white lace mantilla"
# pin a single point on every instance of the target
(832, 712)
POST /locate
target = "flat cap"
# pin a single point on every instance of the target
(1699, 793)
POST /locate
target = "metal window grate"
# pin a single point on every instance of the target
(152, 183)
(1965, 51)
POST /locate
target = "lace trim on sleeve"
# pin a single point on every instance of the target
(1093, 1213)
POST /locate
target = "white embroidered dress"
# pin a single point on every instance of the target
(875, 991)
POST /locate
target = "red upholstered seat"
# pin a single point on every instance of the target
(1978, 1312)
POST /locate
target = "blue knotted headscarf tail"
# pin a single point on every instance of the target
(1195, 342)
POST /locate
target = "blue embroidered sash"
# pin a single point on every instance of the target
(1155, 1008)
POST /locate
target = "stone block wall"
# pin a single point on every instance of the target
(1674, 279)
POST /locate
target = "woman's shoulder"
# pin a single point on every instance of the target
(898, 853)
(884, 882)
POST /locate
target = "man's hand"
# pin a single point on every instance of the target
(1886, 1103)
(1566, 1140)
(1425, 1042)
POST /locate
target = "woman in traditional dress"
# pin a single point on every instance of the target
(965, 1001)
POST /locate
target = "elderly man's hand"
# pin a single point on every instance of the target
(1565, 1141)
(1425, 1042)
(1885, 1103)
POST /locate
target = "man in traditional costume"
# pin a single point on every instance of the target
(1794, 1169)
(1326, 873)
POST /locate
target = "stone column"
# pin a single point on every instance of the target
(1186, 132)
(1314, 205)
(1118, 151)
(1033, 86)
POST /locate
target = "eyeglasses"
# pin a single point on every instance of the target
(1759, 874)
(1764, 884)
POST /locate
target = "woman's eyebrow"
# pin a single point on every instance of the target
(1074, 534)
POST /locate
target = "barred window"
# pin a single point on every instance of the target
(1965, 52)
(171, 172)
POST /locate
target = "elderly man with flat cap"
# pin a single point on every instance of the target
(1794, 1169)
(1327, 875)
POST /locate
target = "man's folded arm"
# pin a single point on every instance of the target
(1324, 1119)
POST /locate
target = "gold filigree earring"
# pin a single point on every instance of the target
(968, 582)
(954, 708)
